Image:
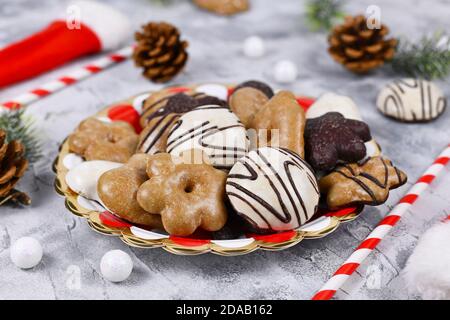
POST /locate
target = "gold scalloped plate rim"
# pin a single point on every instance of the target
(126, 235)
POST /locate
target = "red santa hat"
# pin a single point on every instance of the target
(94, 27)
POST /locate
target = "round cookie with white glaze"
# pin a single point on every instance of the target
(411, 100)
(212, 128)
(273, 189)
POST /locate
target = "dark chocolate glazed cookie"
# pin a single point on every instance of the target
(332, 138)
(258, 85)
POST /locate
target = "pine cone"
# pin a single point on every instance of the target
(160, 51)
(12, 167)
(359, 48)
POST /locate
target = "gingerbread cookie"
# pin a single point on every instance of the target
(365, 183)
(97, 140)
(273, 189)
(223, 7)
(412, 100)
(213, 129)
(248, 98)
(258, 85)
(117, 190)
(332, 138)
(281, 123)
(186, 196)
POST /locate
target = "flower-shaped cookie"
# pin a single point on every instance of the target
(117, 189)
(186, 195)
(331, 137)
(367, 183)
(97, 140)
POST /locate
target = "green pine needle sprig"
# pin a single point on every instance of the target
(429, 58)
(21, 128)
(323, 14)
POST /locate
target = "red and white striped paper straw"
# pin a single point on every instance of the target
(382, 229)
(71, 78)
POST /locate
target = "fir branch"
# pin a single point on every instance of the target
(20, 127)
(323, 14)
(429, 58)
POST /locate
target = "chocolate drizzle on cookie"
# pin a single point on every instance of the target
(365, 183)
(159, 117)
(412, 100)
(220, 135)
(154, 137)
(267, 187)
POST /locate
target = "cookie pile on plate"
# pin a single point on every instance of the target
(251, 154)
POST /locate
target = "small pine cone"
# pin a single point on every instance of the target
(359, 48)
(160, 51)
(12, 167)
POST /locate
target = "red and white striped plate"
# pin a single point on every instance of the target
(107, 223)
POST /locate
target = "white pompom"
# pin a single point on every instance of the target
(254, 47)
(285, 71)
(26, 252)
(427, 269)
(116, 266)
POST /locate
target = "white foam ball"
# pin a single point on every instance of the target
(26, 252)
(116, 266)
(254, 47)
(285, 71)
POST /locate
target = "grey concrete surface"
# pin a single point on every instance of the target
(215, 55)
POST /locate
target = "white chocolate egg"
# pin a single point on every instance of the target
(411, 100)
(71, 160)
(273, 189)
(83, 178)
(214, 129)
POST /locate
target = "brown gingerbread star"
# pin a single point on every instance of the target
(367, 183)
